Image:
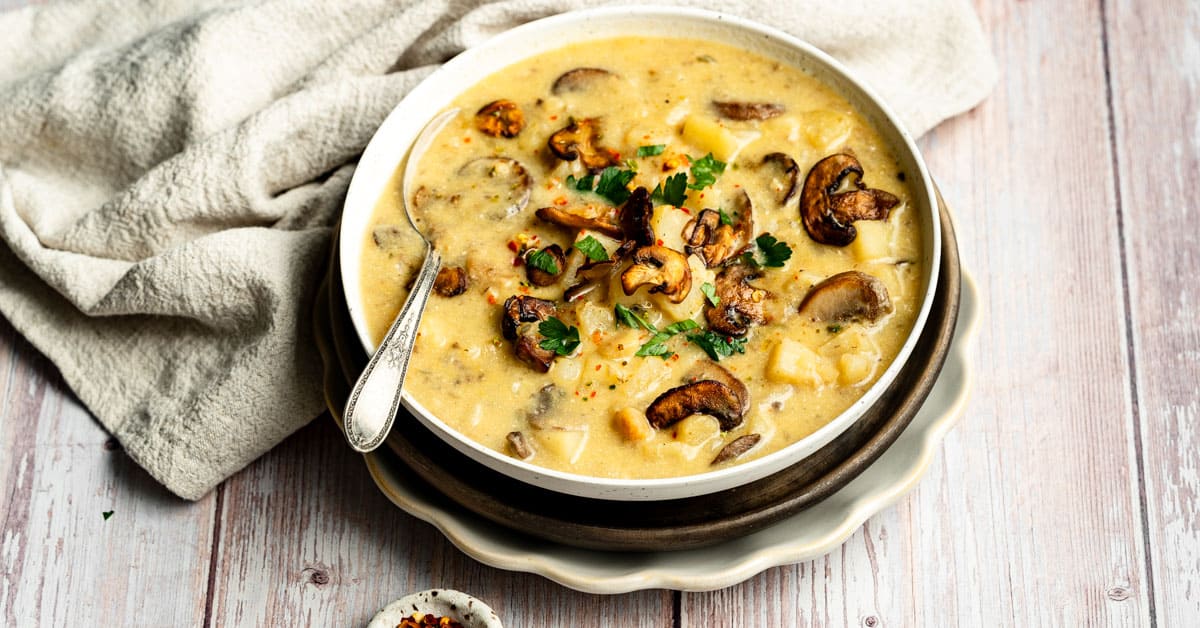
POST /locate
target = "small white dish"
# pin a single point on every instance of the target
(388, 148)
(808, 534)
(462, 608)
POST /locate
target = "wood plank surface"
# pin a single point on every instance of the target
(1157, 132)
(1031, 514)
(61, 562)
(307, 539)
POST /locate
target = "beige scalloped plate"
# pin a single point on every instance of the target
(808, 534)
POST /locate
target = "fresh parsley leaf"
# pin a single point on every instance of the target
(629, 318)
(725, 218)
(106, 514)
(705, 171)
(559, 338)
(710, 293)
(583, 185)
(716, 345)
(775, 253)
(651, 150)
(671, 192)
(592, 248)
(657, 346)
(612, 184)
(748, 259)
(631, 164)
(542, 261)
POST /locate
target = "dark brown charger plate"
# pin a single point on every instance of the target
(654, 525)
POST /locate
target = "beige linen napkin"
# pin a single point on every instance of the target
(170, 169)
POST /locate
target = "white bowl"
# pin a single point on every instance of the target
(391, 142)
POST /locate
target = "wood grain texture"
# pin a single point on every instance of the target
(1031, 515)
(1157, 131)
(61, 562)
(307, 539)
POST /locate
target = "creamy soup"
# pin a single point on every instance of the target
(664, 256)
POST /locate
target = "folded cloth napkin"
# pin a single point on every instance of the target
(170, 171)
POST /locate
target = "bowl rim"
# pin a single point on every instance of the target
(377, 166)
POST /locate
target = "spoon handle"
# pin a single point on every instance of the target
(376, 396)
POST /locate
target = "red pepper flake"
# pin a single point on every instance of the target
(658, 242)
(686, 210)
(597, 336)
(576, 393)
(466, 140)
(616, 156)
(593, 393)
(554, 117)
(560, 201)
(597, 367)
(524, 289)
(675, 357)
(646, 137)
(491, 299)
(512, 246)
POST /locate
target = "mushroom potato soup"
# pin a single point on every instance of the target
(662, 257)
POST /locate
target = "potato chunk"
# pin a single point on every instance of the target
(874, 240)
(710, 137)
(632, 425)
(793, 363)
(826, 129)
(855, 368)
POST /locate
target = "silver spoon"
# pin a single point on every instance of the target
(375, 399)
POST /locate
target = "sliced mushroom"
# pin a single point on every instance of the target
(716, 243)
(498, 178)
(736, 448)
(827, 214)
(578, 80)
(734, 110)
(389, 236)
(522, 313)
(847, 296)
(451, 281)
(739, 303)
(566, 218)
(717, 373)
(500, 118)
(665, 270)
(791, 175)
(579, 140)
(518, 445)
(703, 397)
(635, 217)
(544, 401)
(593, 274)
(539, 277)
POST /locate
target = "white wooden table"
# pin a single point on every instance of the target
(1068, 494)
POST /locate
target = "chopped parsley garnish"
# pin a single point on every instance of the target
(833, 329)
(657, 346)
(673, 191)
(631, 164)
(705, 171)
(629, 318)
(716, 345)
(774, 253)
(706, 59)
(542, 261)
(710, 293)
(583, 185)
(651, 150)
(612, 182)
(725, 218)
(106, 514)
(592, 248)
(559, 338)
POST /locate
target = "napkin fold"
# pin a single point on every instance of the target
(170, 171)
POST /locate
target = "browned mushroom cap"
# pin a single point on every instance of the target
(578, 80)
(518, 446)
(826, 213)
(791, 175)
(665, 270)
(709, 369)
(734, 110)
(572, 220)
(451, 281)
(703, 397)
(539, 277)
(716, 243)
(593, 274)
(499, 178)
(736, 448)
(847, 296)
(739, 303)
(578, 140)
(500, 118)
(635, 217)
(521, 313)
